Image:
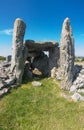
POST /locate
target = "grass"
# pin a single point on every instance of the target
(40, 108)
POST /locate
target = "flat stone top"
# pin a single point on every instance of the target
(38, 46)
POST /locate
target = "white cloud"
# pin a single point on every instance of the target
(6, 31)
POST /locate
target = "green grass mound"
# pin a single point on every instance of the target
(2, 58)
(40, 108)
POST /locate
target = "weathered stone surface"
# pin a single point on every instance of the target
(78, 83)
(66, 55)
(17, 63)
(10, 81)
(34, 54)
(73, 88)
(80, 90)
(77, 69)
(1, 85)
(77, 97)
(36, 83)
(4, 70)
(82, 71)
(58, 74)
(53, 72)
(40, 46)
(37, 72)
(6, 78)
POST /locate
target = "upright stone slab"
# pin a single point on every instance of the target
(53, 59)
(17, 63)
(66, 55)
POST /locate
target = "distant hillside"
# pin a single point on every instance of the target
(79, 59)
(2, 58)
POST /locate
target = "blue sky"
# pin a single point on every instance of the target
(44, 20)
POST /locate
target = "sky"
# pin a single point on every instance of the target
(44, 19)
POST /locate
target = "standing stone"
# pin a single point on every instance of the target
(17, 63)
(66, 55)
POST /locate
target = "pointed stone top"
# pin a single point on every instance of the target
(66, 20)
(66, 25)
(19, 22)
(18, 19)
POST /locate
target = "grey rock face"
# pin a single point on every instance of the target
(4, 70)
(40, 46)
(73, 88)
(6, 78)
(77, 97)
(78, 84)
(10, 81)
(66, 55)
(34, 54)
(17, 63)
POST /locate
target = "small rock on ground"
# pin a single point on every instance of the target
(36, 83)
(77, 97)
